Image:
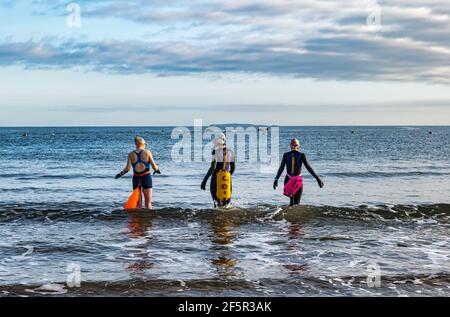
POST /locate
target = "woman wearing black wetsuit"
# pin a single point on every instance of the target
(217, 163)
(300, 159)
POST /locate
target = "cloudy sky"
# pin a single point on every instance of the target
(166, 62)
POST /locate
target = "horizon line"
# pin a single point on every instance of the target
(221, 124)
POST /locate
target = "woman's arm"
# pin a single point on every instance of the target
(280, 171)
(208, 174)
(281, 168)
(232, 163)
(232, 167)
(311, 171)
(152, 161)
(126, 168)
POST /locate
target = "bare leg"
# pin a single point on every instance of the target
(148, 193)
(140, 201)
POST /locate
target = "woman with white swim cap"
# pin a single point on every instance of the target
(217, 164)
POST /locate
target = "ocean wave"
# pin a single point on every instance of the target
(323, 285)
(438, 213)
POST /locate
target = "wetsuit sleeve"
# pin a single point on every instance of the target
(281, 168)
(308, 167)
(232, 163)
(232, 167)
(210, 171)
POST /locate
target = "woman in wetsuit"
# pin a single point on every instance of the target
(220, 151)
(141, 159)
(299, 160)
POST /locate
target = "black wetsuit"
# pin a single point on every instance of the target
(213, 170)
(300, 159)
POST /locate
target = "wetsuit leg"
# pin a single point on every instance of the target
(213, 186)
(231, 189)
(297, 197)
(226, 202)
(213, 189)
(291, 199)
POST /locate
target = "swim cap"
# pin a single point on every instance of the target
(295, 142)
(219, 141)
(139, 140)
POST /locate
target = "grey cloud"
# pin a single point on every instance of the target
(314, 39)
(331, 58)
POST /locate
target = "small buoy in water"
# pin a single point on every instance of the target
(353, 131)
(25, 134)
(430, 132)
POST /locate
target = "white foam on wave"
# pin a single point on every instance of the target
(50, 288)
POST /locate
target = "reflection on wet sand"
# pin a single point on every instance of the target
(139, 225)
(295, 231)
(223, 240)
(295, 238)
